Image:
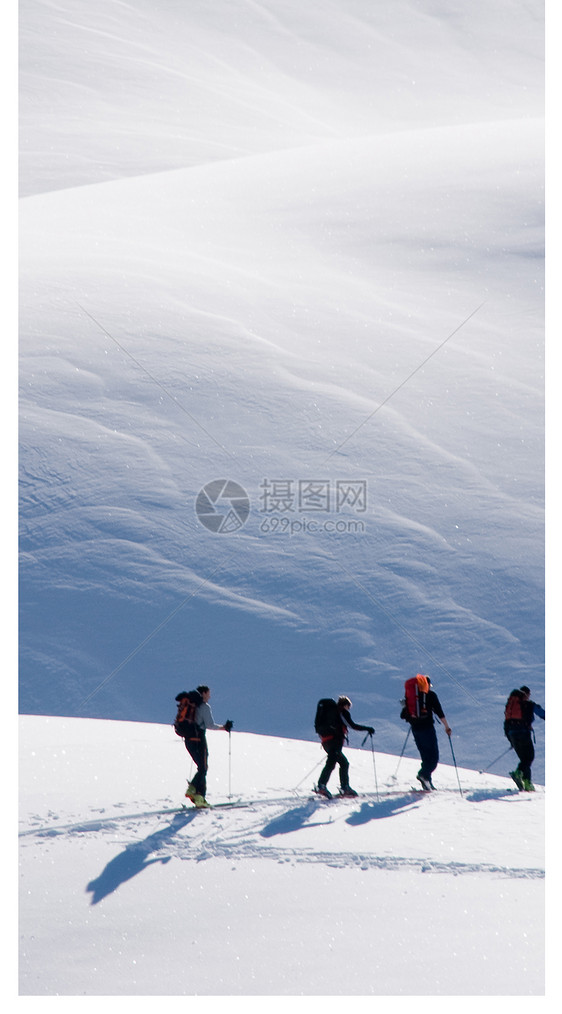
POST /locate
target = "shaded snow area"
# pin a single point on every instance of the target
(394, 893)
(281, 433)
(298, 248)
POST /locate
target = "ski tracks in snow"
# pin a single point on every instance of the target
(245, 832)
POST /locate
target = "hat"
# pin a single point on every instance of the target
(525, 690)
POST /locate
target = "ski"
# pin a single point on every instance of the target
(214, 806)
(98, 823)
(331, 798)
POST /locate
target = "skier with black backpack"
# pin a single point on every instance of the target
(331, 723)
(194, 717)
(420, 704)
(520, 713)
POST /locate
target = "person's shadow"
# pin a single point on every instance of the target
(135, 859)
(481, 795)
(292, 820)
(382, 808)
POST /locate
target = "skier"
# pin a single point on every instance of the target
(425, 736)
(520, 713)
(196, 745)
(333, 737)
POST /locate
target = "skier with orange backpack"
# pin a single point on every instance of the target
(420, 704)
(194, 717)
(520, 713)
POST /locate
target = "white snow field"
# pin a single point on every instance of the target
(282, 433)
(395, 893)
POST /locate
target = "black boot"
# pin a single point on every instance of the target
(323, 790)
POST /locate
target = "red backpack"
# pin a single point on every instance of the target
(416, 690)
(514, 707)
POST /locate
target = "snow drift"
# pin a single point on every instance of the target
(299, 249)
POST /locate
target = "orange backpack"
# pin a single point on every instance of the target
(188, 702)
(416, 690)
(514, 707)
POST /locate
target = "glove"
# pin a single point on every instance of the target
(370, 730)
(228, 725)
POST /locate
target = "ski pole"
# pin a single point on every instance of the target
(373, 752)
(484, 770)
(229, 764)
(308, 775)
(403, 748)
(374, 767)
(455, 763)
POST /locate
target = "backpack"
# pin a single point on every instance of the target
(518, 713)
(327, 722)
(416, 690)
(514, 707)
(188, 702)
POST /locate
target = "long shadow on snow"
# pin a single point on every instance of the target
(481, 795)
(293, 820)
(134, 859)
(382, 808)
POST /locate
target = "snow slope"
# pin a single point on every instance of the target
(124, 89)
(394, 894)
(276, 243)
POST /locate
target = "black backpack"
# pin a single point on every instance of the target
(188, 702)
(328, 720)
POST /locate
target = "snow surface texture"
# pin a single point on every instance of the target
(274, 243)
(395, 893)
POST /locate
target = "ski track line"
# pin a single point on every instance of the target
(362, 861)
(198, 851)
(101, 823)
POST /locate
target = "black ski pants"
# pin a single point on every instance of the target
(196, 746)
(426, 741)
(335, 756)
(522, 742)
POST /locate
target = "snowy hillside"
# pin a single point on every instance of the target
(298, 248)
(393, 894)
